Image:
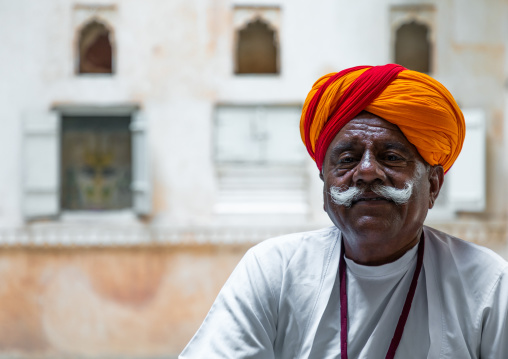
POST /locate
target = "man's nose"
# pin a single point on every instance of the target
(369, 169)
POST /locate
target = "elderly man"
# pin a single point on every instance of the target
(378, 284)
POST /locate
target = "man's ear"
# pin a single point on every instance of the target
(436, 180)
(321, 175)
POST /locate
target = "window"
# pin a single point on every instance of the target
(95, 50)
(260, 158)
(412, 47)
(85, 159)
(96, 163)
(256, 40)
(256, 51)
(258, 135)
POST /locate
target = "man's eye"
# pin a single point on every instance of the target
(393, 158)
(346, 160)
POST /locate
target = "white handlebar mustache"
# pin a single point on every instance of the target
(345, 196)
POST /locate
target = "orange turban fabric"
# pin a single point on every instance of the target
(420, 106)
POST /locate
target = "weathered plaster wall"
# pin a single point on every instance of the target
(132, 302)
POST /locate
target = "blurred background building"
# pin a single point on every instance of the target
(146, 145)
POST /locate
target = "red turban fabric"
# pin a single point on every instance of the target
(420, 106)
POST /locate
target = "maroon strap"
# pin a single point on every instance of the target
(343, 303)
(405, 310)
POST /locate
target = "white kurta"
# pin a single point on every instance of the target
(282, 301)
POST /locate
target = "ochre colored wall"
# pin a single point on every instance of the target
(118, 302)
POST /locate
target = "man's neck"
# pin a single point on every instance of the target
(375, 253)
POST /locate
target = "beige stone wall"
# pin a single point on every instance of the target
(107, 302)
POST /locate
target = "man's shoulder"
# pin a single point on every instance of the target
(462, 250)
(475, 264)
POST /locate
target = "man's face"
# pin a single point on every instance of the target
(368, 151)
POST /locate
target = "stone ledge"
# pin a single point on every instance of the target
(138, 236)
(483, 233)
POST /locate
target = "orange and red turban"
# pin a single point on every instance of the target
(420, 106)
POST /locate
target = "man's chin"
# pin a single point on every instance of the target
(372, 233)
(372, 203)
(377, 209)
(369, 221)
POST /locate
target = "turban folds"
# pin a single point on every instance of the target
(422, 108)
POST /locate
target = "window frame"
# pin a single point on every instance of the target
(242, 16)
(112, 44)
(273, 172)
(140, 186)
(85, 14)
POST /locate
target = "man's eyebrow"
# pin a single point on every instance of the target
(397, 146)
(341, 147)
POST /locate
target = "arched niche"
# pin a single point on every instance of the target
(412, 47)
(256, 49)
(95, 50)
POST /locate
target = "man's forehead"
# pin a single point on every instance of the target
(366, 126)
(366, 121)
(341, 146)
